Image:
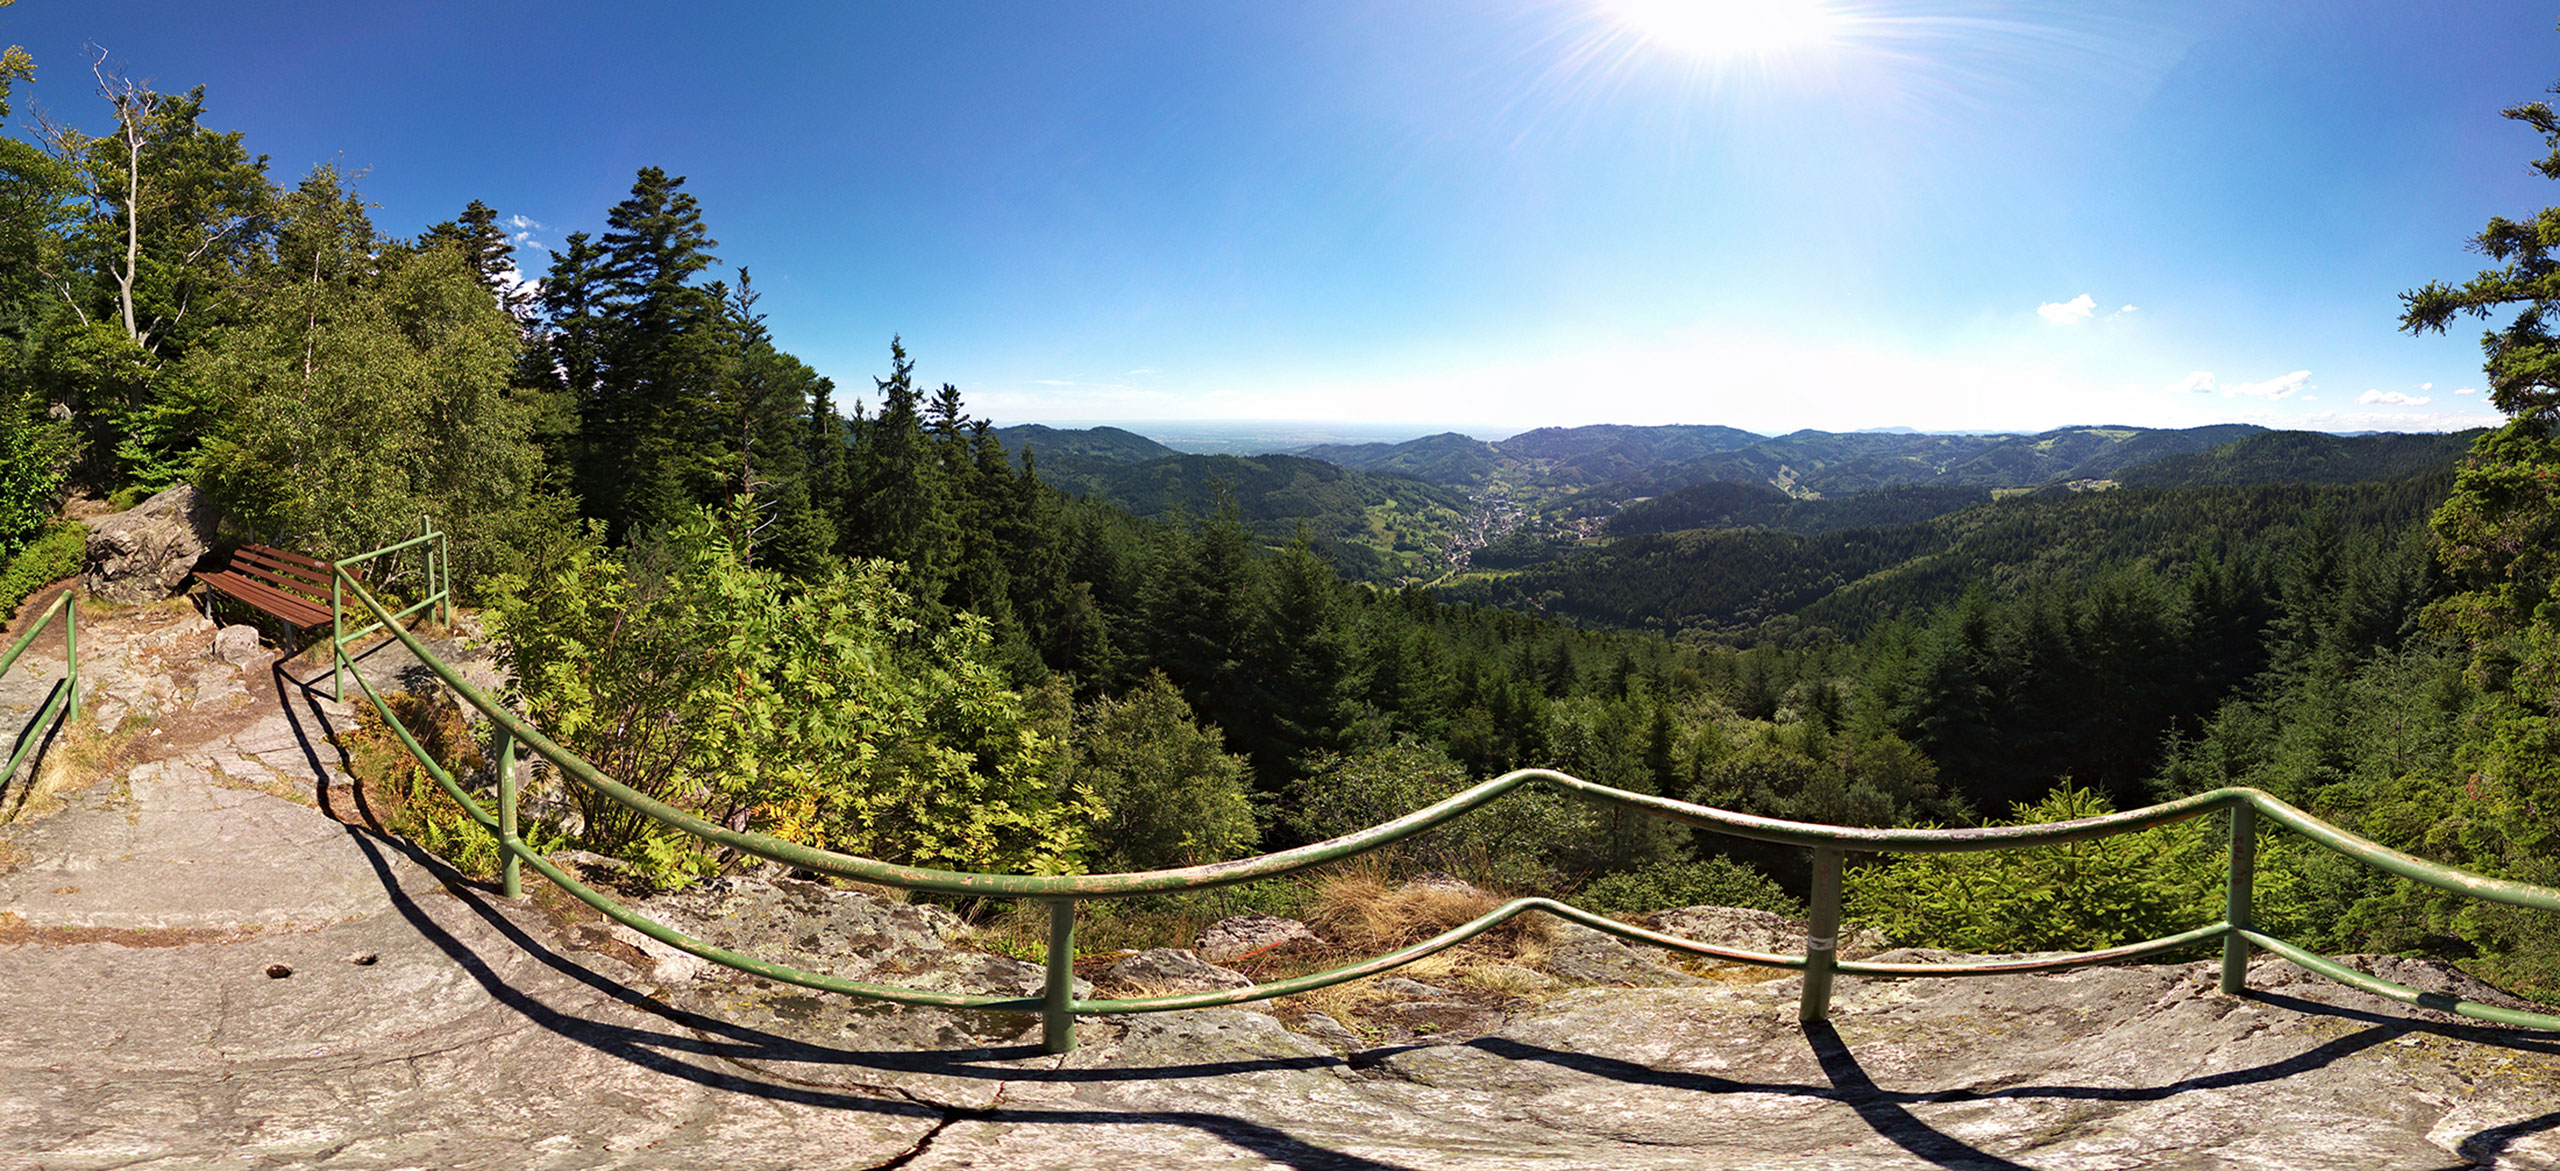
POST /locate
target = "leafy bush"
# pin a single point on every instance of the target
(1528, 840)
(819, 711)
(416, 807)
(2082, 895)
(1169, 794)
(35, 453)
(1715, 882)
(50, 558)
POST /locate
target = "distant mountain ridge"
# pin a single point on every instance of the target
(1625, 463)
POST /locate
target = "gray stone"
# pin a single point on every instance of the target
(1416, 989)
(1173, 969)
(1750, 930)
(1592, 957)
(145, 553)
(236, 645)
(1242, 935)
(1332, 1032)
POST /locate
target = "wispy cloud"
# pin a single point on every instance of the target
(2065, 312)
(524, 228)
(2282, 387)
(2393, 398)
(1144, 370)
(2468, 390)
(2378, 421)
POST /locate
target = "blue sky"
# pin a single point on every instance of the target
(1495, 215)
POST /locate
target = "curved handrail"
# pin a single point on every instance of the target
(1819, 962)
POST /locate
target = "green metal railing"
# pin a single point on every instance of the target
(1820, 962)
(65, 699)
(435, 551)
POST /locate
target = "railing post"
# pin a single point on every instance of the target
(444, 576)
(2238, 895)
(511, 880)
(337, 633)
(1822, 936)
(1057, 1020)
(71, 648)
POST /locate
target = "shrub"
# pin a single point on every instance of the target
(1526, 840)
(49, 558)
(415, 806)
(1715, 882)
(815, 711)
(2081, 895)
(1170, 794)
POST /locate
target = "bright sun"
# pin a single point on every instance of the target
(1723, 29)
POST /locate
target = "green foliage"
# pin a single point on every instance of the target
(2078, 896)
(819, 712)
(1716, 882)
(1168, 793)
(52, 556)
(35, 453)
(1531, 839)
(365, 390)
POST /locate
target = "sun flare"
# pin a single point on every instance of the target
(1721, 29)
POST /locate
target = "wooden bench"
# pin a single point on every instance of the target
(289, 587)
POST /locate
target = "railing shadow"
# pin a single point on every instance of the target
(706, 1038)
(14, 794)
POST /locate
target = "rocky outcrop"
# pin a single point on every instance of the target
(1237, 936)
(1760, 931)
(145, 553)
(1164, 970)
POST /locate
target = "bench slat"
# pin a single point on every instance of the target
(280, 584)
(293, 608)
(254, 562)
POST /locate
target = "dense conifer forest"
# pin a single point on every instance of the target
(872, 621)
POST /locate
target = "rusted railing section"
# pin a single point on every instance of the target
(65, 699)
(1059, 1007)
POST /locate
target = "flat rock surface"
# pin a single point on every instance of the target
(201, 966)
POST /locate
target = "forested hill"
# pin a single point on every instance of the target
(1613, 464)
(1758, 583)
(1372, 526)
(1719, 504)
(2304, 457)
(1072, 451)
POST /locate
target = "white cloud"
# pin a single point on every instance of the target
(2393, 398)
(2065, 312)
(2284, 387)
(2375, 421)
(2468, 390)
(1144, 370)
(524, 223)
(2426, 386)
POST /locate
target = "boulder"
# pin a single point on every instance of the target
(1591, 957)
(1173, 969)
(145, 553)
(1242, 935)
(236, 645)
(1761, 931)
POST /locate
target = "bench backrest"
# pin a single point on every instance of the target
(291, 572)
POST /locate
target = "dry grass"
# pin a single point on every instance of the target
(1362, 909)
